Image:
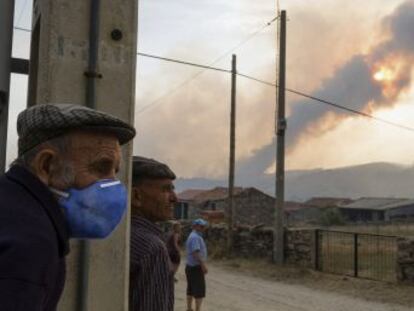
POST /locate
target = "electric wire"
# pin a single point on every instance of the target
(209, 67)
(22, 29)
(157, 101)
(361, 113)
(182, 62)
(323, 101)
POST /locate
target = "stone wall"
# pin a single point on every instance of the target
(405, 259)
(300, 247)
(253, 242)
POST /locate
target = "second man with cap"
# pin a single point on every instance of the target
(152, 200)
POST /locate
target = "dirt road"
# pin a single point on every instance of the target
(229, 290)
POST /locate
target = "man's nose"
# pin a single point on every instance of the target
(173, 197)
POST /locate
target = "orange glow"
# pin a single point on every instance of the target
(389, 72)
(384, 74)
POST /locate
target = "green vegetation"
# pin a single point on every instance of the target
(332, 217)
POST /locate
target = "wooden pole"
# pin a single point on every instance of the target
(230, 208)
(278, 238)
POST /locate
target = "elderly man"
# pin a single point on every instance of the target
(152, 200)
(196, 268)
(62, 185)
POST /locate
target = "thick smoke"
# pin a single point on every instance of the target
(352, 85)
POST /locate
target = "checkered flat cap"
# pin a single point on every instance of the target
(150, 168)
(41, 123)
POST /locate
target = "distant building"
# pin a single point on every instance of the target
(301, 213)
(378, 209)
(185, 198)
(251, 206)
(323, 202)
(312, 210)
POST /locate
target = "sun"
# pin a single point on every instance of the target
(384, 74)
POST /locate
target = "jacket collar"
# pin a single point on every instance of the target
(44, 196)
(146, 225)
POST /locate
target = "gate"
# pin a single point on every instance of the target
(362, 255)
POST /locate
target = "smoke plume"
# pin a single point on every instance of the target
(365, 82)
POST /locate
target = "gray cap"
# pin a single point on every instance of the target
(40, 123)
(149, 168)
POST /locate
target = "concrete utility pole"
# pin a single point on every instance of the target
(230, 207)
(84, 52)
(6, 39)
(278, 237)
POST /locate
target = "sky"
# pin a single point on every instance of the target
(349, 52)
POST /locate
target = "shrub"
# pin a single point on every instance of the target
(332, 217)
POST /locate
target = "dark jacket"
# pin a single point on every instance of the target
(33, 244)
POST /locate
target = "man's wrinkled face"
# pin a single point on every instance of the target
(92, 156)
(154, 199)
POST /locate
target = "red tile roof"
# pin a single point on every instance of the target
(189, 194)
(199, 195)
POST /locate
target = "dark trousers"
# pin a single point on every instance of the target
(196, 283)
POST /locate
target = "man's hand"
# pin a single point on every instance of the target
(204, 268)
(197, 256)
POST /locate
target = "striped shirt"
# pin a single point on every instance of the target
(151, 276)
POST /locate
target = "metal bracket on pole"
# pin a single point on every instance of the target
(3, 100)
(6, 39)
(19, 65)
(281, 127)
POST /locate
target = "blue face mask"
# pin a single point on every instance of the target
(95, 211)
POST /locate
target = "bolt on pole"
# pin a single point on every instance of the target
(230, 207)
(6, 39)
(278, 237)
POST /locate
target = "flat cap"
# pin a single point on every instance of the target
(150, 168)
(200, 222)
(40, 123)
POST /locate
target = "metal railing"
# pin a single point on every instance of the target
(362, 255)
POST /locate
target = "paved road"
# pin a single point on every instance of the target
(233, 291)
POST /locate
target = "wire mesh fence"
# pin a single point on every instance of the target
(362, 255)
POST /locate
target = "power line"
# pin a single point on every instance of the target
(185, 82)
(209, 67)
(331, 103)
(350, 110)
(287, 89)
(257, 80)
(22, 29)
(204, 67)
(182, 62)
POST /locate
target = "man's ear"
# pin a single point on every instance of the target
(42, 164)
(136, 197)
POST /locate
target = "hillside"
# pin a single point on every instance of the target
(372, 180)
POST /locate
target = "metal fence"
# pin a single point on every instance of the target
(362, 255)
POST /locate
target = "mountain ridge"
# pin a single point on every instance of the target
(378, 179)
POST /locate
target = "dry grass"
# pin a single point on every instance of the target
(376, 255)
(381, 292)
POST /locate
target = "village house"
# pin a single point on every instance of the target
(252, 207)
(378, 209)
(311, 211)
